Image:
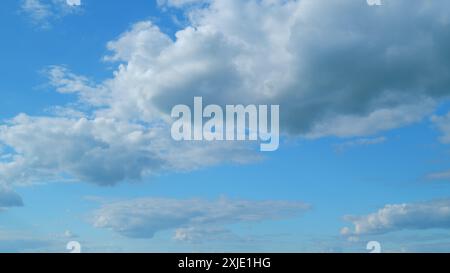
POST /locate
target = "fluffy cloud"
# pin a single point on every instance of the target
(101, 151)
(332, 74)
(414, 216)
(142, 218)
(344, 76)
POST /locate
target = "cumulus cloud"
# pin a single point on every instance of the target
(142, 218)
(331, 73)
(343, 76)
(101, 151)
(413, 216)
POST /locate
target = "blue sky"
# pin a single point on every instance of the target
(85, 148)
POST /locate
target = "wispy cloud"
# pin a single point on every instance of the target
(43, 12)
(359, 142)
(409, 216)
(445, 175)
(442, 123)
(191, 219)
(179, 3)
(37, 10)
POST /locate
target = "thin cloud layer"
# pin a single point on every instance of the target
(359, 142)
(445, 175)
(179, 3)
(143, 218)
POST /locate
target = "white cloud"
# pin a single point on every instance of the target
(345, 76)
(66, 82)
(379, 120)
(341, 75)
(69, 234)
(73, 2)
(209, 235)
(270, 60)
(142, 218)
(44, 12)
(179, 3)
(374, 2)
(143, 43)
(36, 9)
(102, 151)
(412, 216)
